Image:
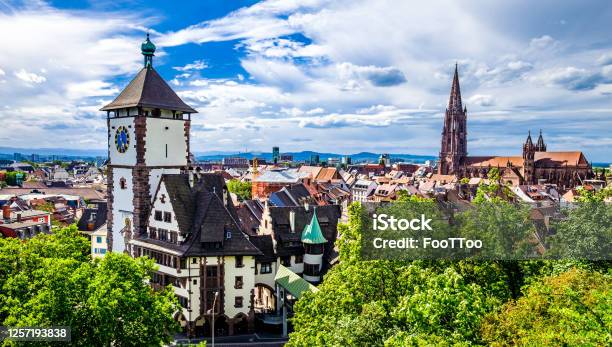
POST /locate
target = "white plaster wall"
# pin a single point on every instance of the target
(155, 177)
(164, 207)
(157, 137)
(297, 268)
(123, 198)
(129, 156)
(267, 279)
(122, 205)
(313, 259)
(248, 282)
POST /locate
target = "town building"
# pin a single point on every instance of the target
(93, 225)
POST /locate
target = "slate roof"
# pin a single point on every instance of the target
(292, 195)
(265, 244)
(181, 198)
(148, 89)
(100, 210)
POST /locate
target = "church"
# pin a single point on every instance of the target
(162, 206)
(535, 164)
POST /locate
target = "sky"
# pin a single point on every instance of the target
(331, 76)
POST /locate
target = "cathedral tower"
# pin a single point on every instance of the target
(148, 135)
(454, 133)
(529, 160)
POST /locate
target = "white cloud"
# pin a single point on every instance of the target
(605, 59)
(481, 100)
(543, 42)
(196, 65)
(570, 77)
(30, 77)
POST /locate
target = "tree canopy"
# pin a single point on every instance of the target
(241, 189)
(51, 280)
(462, 302)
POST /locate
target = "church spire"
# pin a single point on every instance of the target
(454, 101)
(540, 146)
(529, 142)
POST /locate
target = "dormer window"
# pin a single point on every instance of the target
(228, 235)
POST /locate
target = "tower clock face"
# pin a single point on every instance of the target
(122, 139)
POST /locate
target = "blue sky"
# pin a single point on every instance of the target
(334, 76)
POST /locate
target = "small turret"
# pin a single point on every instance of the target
(314, 245)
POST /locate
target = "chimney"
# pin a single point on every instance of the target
(292, 220)
(6, 211)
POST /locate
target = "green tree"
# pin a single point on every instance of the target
(570, 309)
(584, 233)
(241, 189)
(52, 280)
(493, 191)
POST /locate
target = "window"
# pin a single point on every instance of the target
(153, 233)
(158, 215)
(173, 237)
(238, 282)
(211, 271)
(266, 268)
(167, 217)
(312, 269)
(183, 301)
(99, 239)
(286, 261)
(195, 282)
(238, 301)
(239, 262)
(122, 183)
(299, 259)
(102, 250)
(194, 260)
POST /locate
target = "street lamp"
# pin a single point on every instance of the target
(213, 317)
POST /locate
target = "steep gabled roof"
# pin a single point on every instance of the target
(148, 89)
(181, 198)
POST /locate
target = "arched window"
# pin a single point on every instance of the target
(122, 183)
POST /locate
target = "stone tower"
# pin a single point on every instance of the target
(454, 133)
(148, 135)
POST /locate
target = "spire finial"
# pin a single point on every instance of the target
(148, 50)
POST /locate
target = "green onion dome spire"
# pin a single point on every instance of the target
(148, 49)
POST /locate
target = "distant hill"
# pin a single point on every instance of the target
(306, 155)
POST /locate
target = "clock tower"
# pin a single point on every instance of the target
(148, 135)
